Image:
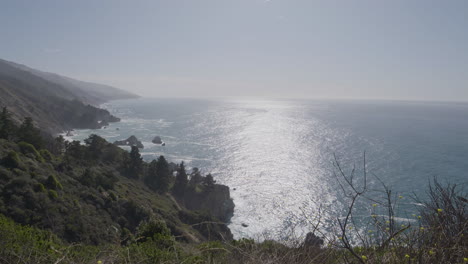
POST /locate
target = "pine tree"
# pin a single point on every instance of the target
(133, 164)
(7, 126)
(159, 175)
(181, 180)
(151, 177)
(163, 174)
(96, 145)
(28, 133)
(209, 182)
(195, 178)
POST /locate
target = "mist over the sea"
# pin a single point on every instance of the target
(277, 155)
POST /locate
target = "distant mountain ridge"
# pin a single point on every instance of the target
(88, 92)
(55, 102)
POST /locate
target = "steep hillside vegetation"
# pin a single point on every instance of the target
(54, 103)
(96, 193)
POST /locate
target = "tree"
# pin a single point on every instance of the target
(209, 182)
(58, 145)
(27, 132)
(181, 180)
(7, 126)
(88, 178)
(96, 146)
(133, 164)
(151, 177)
(74, 150)
(159, 175)
(195, 178)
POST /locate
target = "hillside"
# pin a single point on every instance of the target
(56, 103)
(98, 193)
(88, 92)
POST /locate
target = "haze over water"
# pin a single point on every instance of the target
(277, 155)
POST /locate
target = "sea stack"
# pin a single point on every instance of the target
(157, 140)
(131, 141)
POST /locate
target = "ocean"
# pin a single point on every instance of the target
(277, 156)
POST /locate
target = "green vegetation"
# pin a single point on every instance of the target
(181, 180)
(93, 194)
(159, 176)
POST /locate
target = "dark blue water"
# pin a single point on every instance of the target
(279, 154)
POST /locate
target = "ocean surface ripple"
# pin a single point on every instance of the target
(277, 155)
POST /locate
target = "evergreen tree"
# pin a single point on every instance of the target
(181, 180)
(59, 145)
(133, 164)
(151, 177)
(159, 175)
(28, 133)
(195, 178)
(96, 146)
(7, 126)
(164, 174)
(74, 150)
(209, 182)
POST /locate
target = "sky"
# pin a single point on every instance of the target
(369, 49)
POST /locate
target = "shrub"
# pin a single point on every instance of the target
(40, 188)
(53, 183)
(46, 155)
(53, 194)
(23, 244)
(151, 229)
(11, 160)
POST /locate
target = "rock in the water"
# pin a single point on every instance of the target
(245, 225)
(131, 141)
(157, 140)
(70, 134)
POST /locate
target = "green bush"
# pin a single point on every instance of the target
(53, 183)
(53, 194)
(11, 160)
(40, 188)
(46, 155)
(151, 229)
(23, 244)
(27, 148)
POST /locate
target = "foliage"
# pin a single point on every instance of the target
(12, 160)
(28, 133)
(181, 180)
(53, 183)
(209, 182)
(46, 155)
(159, 175)
(133, 164)
(27, 148)
(7, 126)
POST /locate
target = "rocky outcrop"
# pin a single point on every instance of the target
(131, 141)
(215, 200)
(157, 140)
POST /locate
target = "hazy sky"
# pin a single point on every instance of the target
(395, 49)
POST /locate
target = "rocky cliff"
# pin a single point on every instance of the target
(215, 200)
